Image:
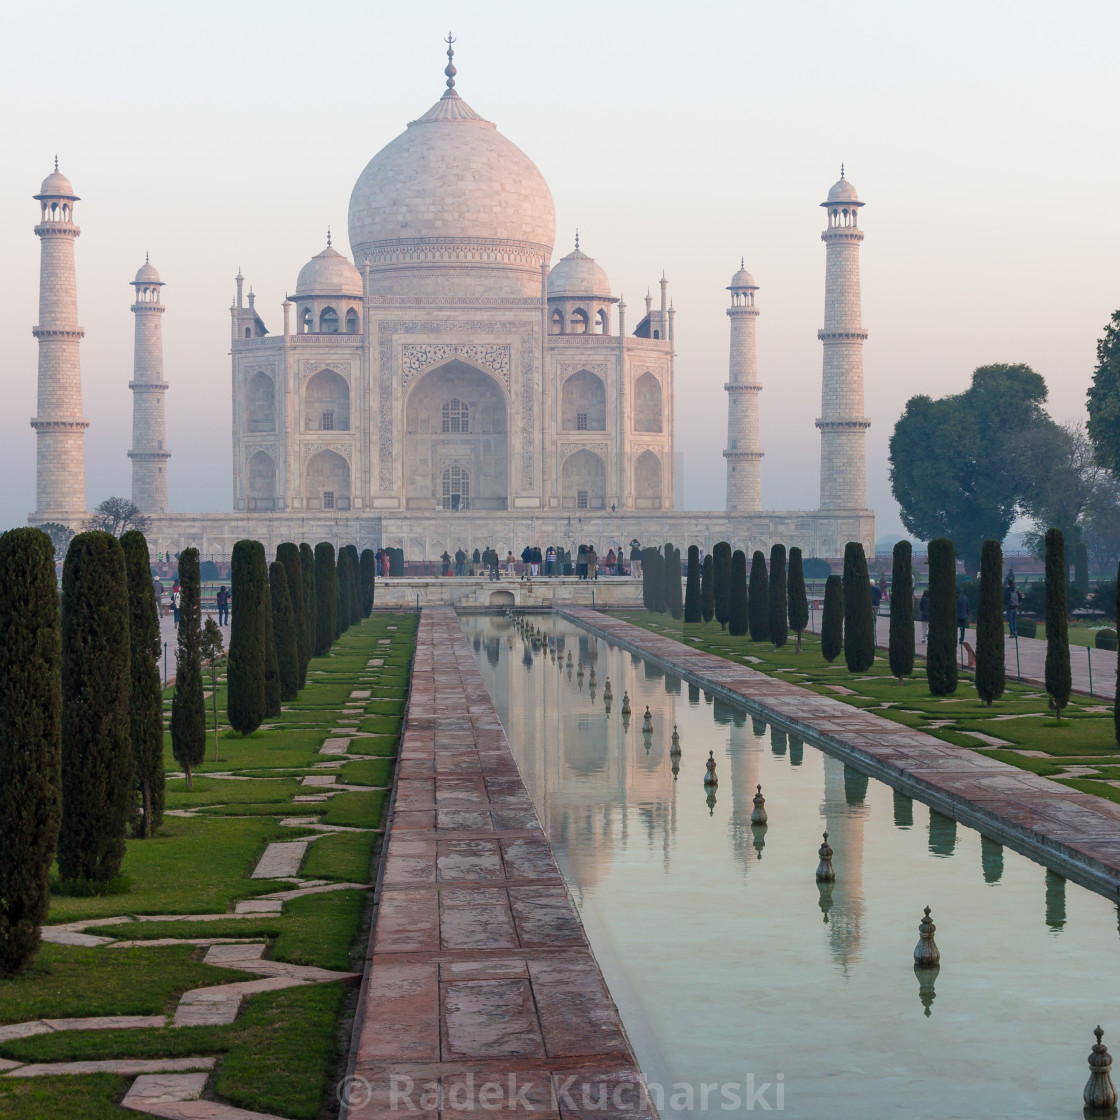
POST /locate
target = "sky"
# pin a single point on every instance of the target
(677, 138)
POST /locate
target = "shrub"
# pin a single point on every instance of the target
(1105, 639)
(1058, 682)
(145, 692)
(941, 642)
(396, 562)
(288, 555)
(692, 609)
(1104, 598)
(30, 740)
(707, 589)
(245, 669)
(758, 604)
(721, 587)
(778, 619)
(367, 565)
(832, 619)
(310, 605)
(96, 743)
(1027, 628)
(859, 614)
(188, 708)
(900, 648)
(798, 601)
(989, 625)
(326, 596)
(284, 630)
(739, 622)
(815, 568)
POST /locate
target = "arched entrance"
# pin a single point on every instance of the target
(456, 453)
(583, 481)
(647, 481)
(261, 491)
(326, 481)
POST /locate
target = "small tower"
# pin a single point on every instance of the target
(60, 476)
(743, 454)
(149, 454)
(842, 422)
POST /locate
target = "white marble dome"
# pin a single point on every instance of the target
(451, 193)
(329, 273)
(742, 279)
(842, 191)
(56, 185)
(147, 274)
(577, 275)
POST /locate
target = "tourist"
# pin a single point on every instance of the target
(223, 606)
(635, 559)
(581, 562)
(535, 560)
(1011, 604)
(511, 564)
(876, 598)
(962, 612)
(460, 562)
(882, 586)
(592, 559)
(493, 562)
(445, 561)
(175, 602)
(610, 561)
(923, 612)
(550, 561)
(526, 560)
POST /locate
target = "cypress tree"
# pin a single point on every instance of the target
(245, 669)
(721, 584)
(758, 606)
(707, 589)
(674, 602)
(96, 744)
(310, 604)
(1116, 694)
(284, 629)
(342, 595)
(213, 645)
(145, 693)
(859, 614)
(326, 596)
(901, 643)
(355, 571)
(288, 555)
(941, 642)
(188, 708)
(692, 610)
(1058, 682)
(30, 740)
(798, 601)
(779, 620)
(647, 579)
(738, 621)
(271, 660)
(832, 619)
(367, 566)
(989, 625)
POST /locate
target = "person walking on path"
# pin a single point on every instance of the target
(175, 602)
(923, 613)
(1011, 604)
(962, 612)
(223, 606)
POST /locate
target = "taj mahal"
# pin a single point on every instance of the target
(447, 385)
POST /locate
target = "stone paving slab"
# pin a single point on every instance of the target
(1076, 834)
(121, 1066)
(281, 860)
(478, 965)
(176, 1097)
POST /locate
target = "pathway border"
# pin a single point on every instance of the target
(1076, 834)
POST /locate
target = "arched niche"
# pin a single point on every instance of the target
(647, 404)
(326, 403)
(260, 403)
(583, 481)
(261, 482)
(647, 481)
(583, 403)
(326, 481)
(481, 450)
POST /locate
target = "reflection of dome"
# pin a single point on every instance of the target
(451, 193)
(329, 273)
(147, 274)
(842, 191)
(56, 185)
(578, 275)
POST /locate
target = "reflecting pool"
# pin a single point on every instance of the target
(731, 965)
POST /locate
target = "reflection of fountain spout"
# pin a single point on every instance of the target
(675, 749)
(927, 977)
(711, 800)
(676, 766)
(824, 889)
(758, 831)
(625, 719)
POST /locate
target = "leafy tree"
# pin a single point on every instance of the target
(310, 603)
(188, 707)
(738, 623)
(758, 606)
(859, 614)
(212, 648)
(145, 694)
(30, 740)
(1101, 525)
(1104, 398)
(707, 589)
(96, 743)
(60, 535)
(798, 600)
(832, 619)
(721, 571)
(1058, 682)
(1081, 568)
(816, 568)
(692, 609)
(245, 704)
(1065, 490)
(941, 640)
(288, 555)
(900, 648)
(964, 465)
(284, 628)
(778, 618)
(326, 597)
(989, 625)
(116, 516)
(271, 660)
(368, 567)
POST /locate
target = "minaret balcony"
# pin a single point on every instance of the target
(743, 454)
(847, 424)
(842, 336)
(742, 386)
(75, 333)
(155, 386)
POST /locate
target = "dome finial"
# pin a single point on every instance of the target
(841, 171)
(147, 257)
(328, 237)
(577, 240)
(450, 70)
(56, 161)
(742, 262)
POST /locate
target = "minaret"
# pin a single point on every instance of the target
(60, 478)
(842, 423)
(149, 455)
(743, 454)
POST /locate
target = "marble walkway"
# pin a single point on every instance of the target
(1076, 834)
(481, 993)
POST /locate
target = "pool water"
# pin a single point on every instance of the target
(732, 966)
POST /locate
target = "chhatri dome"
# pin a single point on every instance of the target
(842, 191)
(452, 196)
(579, 276)
(328, 273)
